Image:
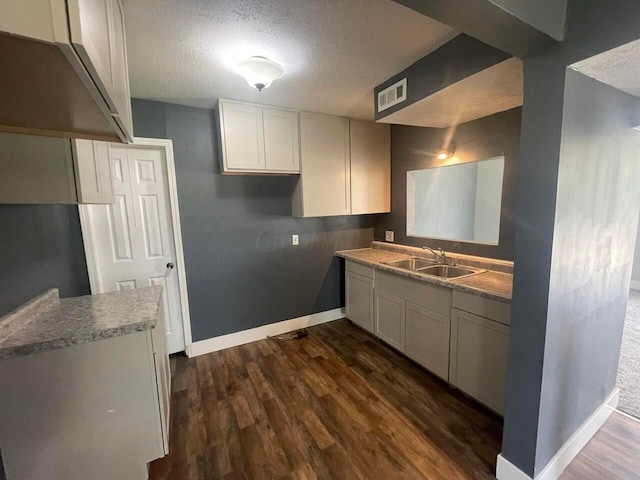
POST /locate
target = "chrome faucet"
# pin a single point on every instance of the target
(440, 253)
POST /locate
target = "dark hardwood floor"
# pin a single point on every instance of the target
(337, 404)
(612, 454)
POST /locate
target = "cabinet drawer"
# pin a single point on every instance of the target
(420, 293)
(358, 268)
(482, 306)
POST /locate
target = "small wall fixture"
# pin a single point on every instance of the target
(259, 71)
(445, 152)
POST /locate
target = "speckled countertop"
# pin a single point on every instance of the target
(48, 322)
(488, 283)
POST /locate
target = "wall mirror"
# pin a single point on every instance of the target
(456, 202)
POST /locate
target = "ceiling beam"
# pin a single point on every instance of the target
(454, 61)
(486, 21)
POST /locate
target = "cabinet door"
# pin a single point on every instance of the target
(91, 36)
(324, 166)
(359, 299)
(427, 339)
(163, 374)
(370, 167)
(36, 170)
(242, 132)
(281, 140)
(479, 350)
(93, 172)
(390, 319)
(120, 70)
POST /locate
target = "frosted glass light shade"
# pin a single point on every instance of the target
(259, 71)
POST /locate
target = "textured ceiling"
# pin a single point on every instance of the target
(334, 51)
(496, 89)
(619, 68)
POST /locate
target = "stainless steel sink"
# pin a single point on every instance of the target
(413, 264)
(447, 271)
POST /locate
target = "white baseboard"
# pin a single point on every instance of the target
(635, 284)
(507, 471)
(246, 336)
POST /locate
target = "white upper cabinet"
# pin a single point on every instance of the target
(242, 135)
(370, 167)
(44, 170)
(94, 183)
(344, 165)
(75, 82)
(121, 95)
(257, 139)
(281, 140)
(324, 187)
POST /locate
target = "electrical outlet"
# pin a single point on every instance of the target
(294, 240)
(388, 235)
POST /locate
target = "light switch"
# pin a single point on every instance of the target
(294, 239)
(388, 235)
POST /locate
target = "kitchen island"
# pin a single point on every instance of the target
(85, 386)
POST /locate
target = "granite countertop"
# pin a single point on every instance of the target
(48, 322)
(489, 284)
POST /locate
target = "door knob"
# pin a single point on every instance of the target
(170, 265)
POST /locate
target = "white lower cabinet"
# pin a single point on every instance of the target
(427, 339)
(413, 316)
(460, 337)
(479, 350)
(390, 312)
(98, 410)
(359, 296)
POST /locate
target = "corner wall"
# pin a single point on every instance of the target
(593, 242)
(566, 312)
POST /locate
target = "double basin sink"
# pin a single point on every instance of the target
(420, 265)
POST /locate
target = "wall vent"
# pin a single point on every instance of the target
(392, 95)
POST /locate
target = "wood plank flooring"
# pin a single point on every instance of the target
(338, 404)
(612, 454)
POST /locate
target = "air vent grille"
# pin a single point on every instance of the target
(392, 95)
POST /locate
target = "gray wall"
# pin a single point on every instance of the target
(596, 220)
(635, 274)
(242, 271)
(414, 148)
(535, 425)
(546, 15)
(40, 248)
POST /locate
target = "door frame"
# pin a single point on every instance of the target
(90, 244)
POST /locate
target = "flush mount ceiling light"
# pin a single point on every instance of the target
(259, 71)
(445, 152)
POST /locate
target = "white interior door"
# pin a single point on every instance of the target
(134, 241)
